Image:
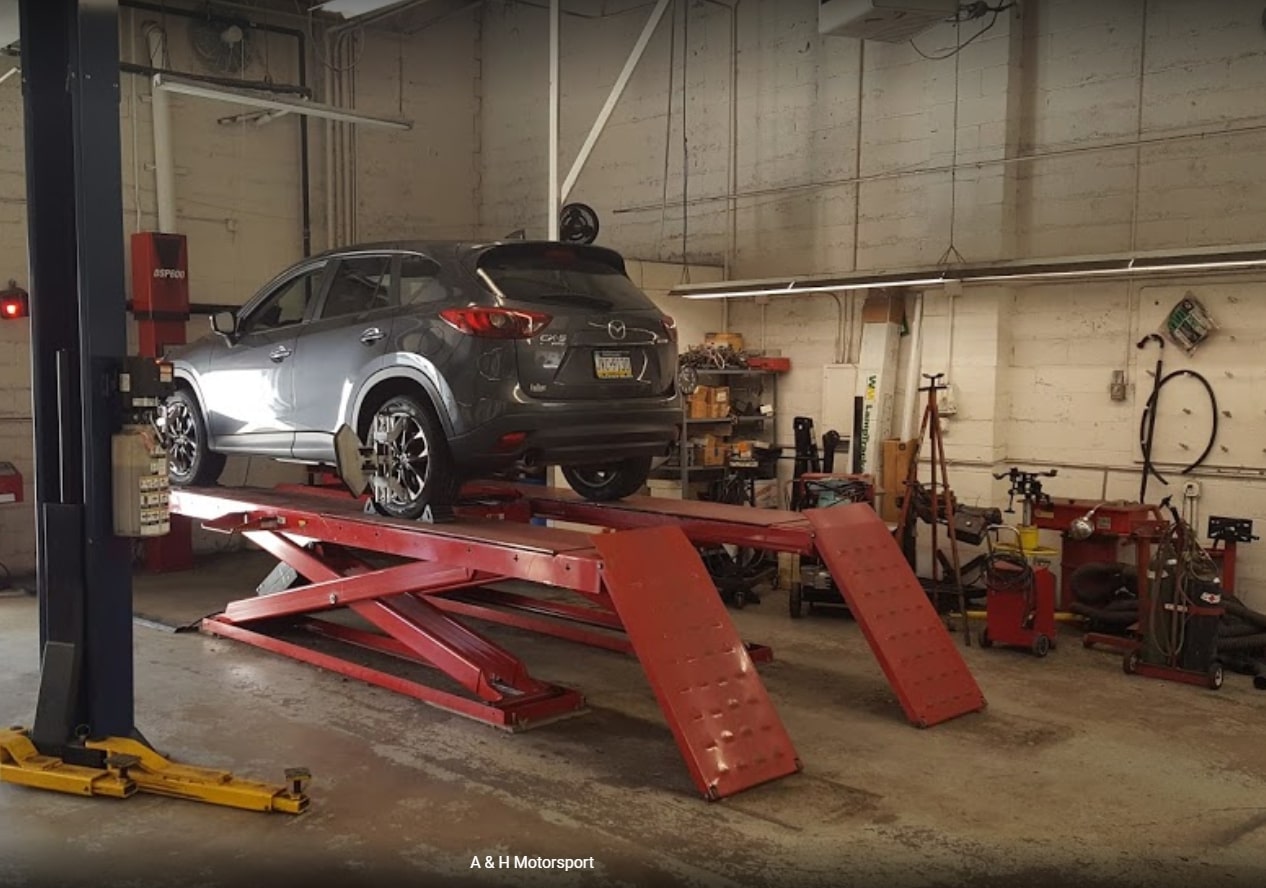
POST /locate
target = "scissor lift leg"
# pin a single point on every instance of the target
(392, 600)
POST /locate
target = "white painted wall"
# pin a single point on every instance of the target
(238, 197)
(1083, 128)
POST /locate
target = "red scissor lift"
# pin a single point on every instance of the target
(641, 589)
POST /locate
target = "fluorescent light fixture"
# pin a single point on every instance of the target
(353, 8)
(1028, 272)
(272, 102)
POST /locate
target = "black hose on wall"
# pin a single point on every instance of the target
(1147, 430)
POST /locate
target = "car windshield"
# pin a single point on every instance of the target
(561, 275)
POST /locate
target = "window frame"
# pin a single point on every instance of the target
(393, 289)
(398, 279)
(321, 273)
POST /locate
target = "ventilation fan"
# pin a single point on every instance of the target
(221, 44)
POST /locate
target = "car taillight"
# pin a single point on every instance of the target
(670, 327)
(496, 323)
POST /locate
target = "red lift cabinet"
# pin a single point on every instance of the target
(160, 305)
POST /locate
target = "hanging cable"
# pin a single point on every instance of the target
(668, 131)
(968, 12)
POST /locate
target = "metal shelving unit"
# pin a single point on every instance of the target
(761, 426)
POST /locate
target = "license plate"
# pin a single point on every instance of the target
(613, 365)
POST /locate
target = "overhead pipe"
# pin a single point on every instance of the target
(300, 38)
(552, 203)
(160, 111)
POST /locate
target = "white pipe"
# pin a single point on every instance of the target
(630, 65)
(552, 204)
(160, 111)
(913, 369)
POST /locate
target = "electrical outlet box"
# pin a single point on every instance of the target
(141, 496)
(1191, 490)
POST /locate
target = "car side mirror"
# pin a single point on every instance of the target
(224, 323)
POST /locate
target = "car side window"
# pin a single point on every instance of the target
(360, 284)
(286, 305)
(419, 281)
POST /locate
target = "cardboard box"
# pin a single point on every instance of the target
(719, 394)
(767, 494)
(892, 483)
(715, 450)
(699, 410)
(718, 411)
(881, 308)
(733, 340)
(743, 449)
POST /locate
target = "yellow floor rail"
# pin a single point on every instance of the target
(131, 767)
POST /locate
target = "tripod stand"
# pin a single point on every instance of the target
(939, 491)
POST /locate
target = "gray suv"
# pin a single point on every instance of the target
(476, 357)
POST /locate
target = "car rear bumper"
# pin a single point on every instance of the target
(559, 433)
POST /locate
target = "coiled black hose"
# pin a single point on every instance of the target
(1146, 431)
(1236, 608)
(1105, 617)
(1017, 575)
(1242, 643)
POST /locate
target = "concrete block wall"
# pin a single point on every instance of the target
(238, 191)
(1079, 128)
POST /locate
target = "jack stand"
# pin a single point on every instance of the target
(129, 766)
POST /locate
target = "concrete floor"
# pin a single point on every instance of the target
(1076, 774)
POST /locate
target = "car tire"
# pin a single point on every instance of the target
(189, 462)
(611, 482)
(422, 465)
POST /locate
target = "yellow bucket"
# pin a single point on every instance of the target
(1028, 537)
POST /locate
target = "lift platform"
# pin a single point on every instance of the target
(641, 589)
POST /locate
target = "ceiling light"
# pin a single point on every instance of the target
(353, 8)
(254, 99)
(1018, 273)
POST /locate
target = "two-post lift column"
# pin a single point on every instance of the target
(84, 739)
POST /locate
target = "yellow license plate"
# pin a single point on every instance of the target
(609, 365)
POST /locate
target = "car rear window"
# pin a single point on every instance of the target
(579, 276)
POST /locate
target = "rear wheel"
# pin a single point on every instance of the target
(414, 457)
(610, 482)
(189, 462)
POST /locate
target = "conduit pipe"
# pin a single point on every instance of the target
(160, 109)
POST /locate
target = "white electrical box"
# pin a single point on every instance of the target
(142, 506)
(888, 21)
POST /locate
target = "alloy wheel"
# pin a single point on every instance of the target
(405, 455)
(181, 434)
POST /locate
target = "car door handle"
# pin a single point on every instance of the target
(371, 335)
(279, 354)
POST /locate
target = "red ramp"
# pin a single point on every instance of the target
(706, 684)
(904, 632)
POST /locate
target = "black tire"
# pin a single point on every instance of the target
(604, 484)
(1131, 663)
(189, 462)
(420, 463)
(795, 601)
(1041, 646)
(1216, 675)
(985, 641)
(740, 599)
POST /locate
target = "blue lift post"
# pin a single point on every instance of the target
(84, 739)
(70, 72)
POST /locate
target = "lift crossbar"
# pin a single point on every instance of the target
(702, 674)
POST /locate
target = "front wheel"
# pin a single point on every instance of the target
(189, 462)
(412, 456)
(610, 482)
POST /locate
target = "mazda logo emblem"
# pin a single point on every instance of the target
(616, 329)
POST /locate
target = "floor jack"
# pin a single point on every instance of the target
(1020, 602)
